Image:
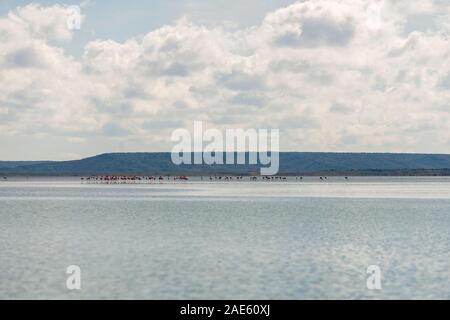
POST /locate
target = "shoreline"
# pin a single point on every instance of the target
(220, 179)
(364, 173)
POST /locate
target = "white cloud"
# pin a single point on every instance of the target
(41, 22)
(333, 75)
(311, 24)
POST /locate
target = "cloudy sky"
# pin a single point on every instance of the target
(336, 75)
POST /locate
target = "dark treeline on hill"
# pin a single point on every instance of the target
(291, 163)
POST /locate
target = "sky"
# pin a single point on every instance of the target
(121, 76)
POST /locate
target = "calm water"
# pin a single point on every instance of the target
(232, 240)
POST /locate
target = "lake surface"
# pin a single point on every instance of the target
(307, 239)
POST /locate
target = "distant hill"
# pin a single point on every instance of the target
(291, 163)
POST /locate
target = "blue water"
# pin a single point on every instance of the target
(232, 240)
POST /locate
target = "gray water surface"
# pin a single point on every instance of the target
(231, 240)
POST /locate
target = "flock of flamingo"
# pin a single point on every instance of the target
(149, 179)
(116, 179)
(123, 179)
(130, 179)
